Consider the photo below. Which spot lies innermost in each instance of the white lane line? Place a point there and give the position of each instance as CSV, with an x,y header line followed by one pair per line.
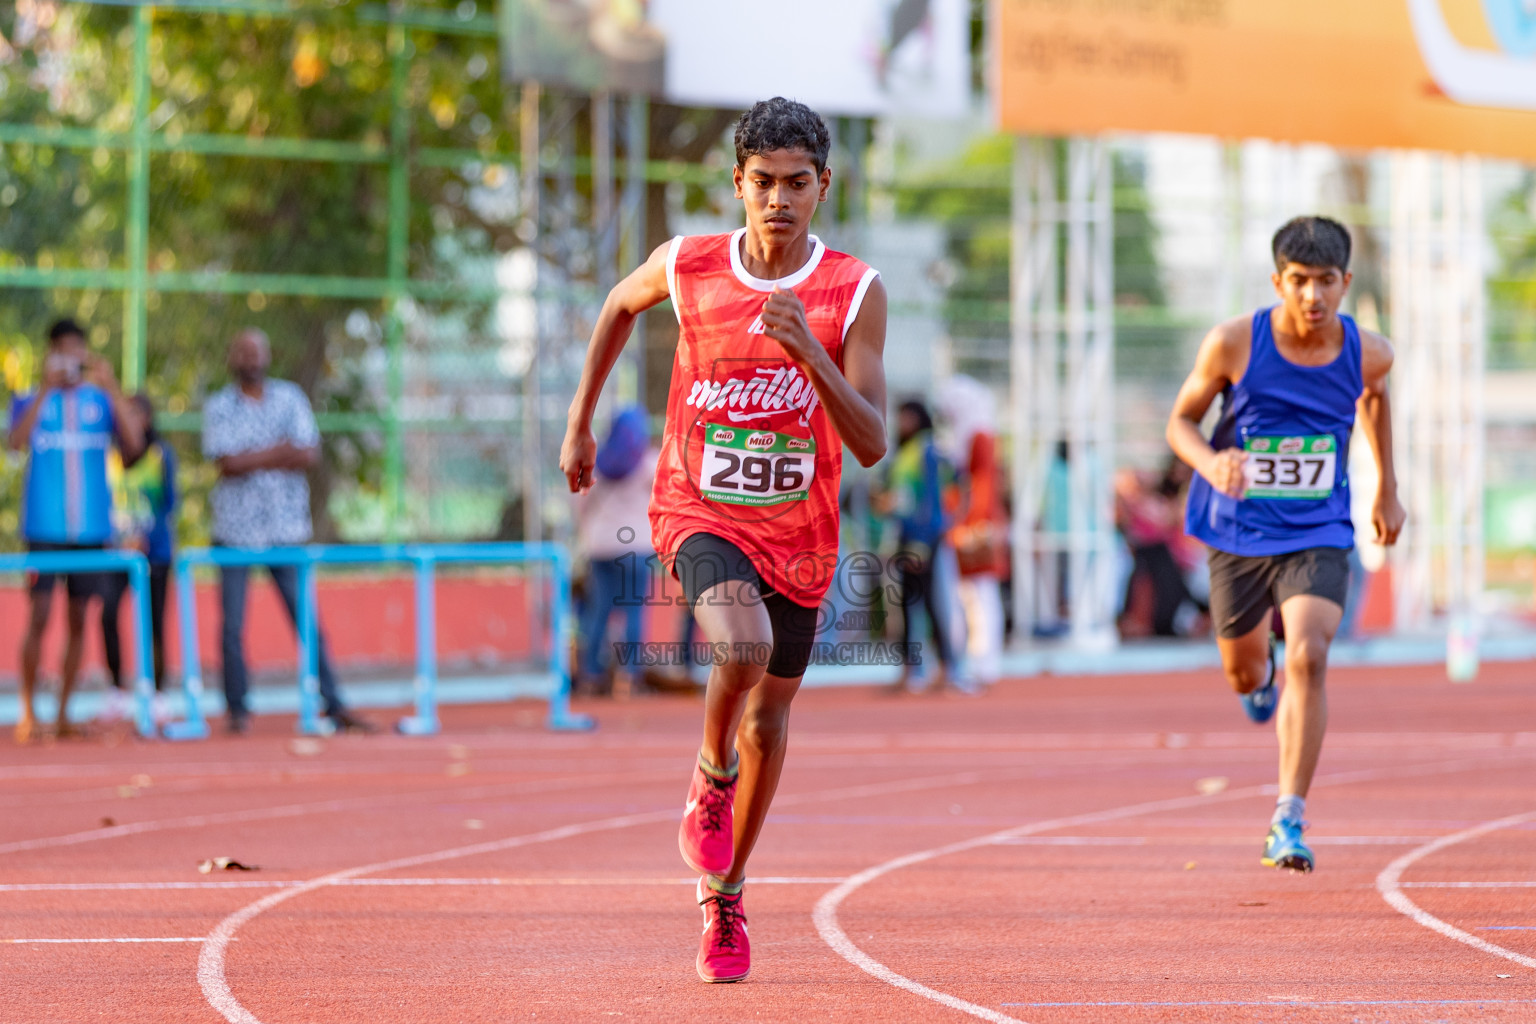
x,y
825,913
1467,885
1389,884
61,942
1079,841
210,963
456,795
387,882
1205,841
445,794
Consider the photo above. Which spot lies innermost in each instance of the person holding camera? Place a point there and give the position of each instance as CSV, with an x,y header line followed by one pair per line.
x,y
66,428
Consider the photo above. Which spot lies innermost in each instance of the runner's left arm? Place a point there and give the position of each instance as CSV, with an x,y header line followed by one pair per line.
x,y
854,396
1374,414
638,292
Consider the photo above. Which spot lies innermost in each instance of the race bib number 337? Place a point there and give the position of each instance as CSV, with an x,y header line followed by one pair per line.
x,y
755,467
1291,467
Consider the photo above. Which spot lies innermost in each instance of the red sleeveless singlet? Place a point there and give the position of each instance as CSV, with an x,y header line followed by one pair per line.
x,y
748,453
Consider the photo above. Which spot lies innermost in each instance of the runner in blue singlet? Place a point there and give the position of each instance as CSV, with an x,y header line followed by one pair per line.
x,y
1271,498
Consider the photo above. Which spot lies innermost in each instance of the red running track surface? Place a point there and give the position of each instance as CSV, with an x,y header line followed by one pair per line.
x,y
1060,850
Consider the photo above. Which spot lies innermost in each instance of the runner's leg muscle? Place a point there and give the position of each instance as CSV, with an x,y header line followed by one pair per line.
x,y
761,741
1302,719
732,613
1245,659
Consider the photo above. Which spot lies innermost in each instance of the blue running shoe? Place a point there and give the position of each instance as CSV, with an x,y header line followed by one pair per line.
x,y
1284,847
1261,703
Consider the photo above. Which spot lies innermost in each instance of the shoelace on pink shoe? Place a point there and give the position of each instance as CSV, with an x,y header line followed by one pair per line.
x,y
731,917
714,802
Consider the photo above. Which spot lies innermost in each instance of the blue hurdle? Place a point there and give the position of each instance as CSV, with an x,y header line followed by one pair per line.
x,y
195,726
424,558
137,568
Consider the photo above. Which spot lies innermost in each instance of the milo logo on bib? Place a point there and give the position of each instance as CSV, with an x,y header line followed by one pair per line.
x,y
1291,467
755,467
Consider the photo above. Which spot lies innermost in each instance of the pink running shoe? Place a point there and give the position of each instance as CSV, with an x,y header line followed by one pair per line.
x,y
724,953
705,837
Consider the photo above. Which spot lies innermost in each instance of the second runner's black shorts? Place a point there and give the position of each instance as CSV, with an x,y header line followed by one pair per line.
x,y
1244,589
704,560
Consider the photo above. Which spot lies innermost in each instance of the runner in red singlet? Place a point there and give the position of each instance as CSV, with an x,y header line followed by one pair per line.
x,y
778,367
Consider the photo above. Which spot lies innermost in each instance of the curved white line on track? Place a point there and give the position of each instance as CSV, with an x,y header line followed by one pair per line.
x,y
419,796
825,914
215,986
1389,884
210,963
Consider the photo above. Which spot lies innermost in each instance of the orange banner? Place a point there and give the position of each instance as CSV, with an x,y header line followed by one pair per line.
x,y
1456,75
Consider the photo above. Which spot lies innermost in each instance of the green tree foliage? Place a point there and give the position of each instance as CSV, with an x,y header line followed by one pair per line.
x,y
1512,291
325,76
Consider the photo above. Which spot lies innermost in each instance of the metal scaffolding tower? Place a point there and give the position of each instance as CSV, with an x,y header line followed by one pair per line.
x,y
611,225
1063,389
1438,311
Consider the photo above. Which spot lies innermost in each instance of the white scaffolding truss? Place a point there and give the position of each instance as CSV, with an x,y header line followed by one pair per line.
x,y
1438,308
1063,388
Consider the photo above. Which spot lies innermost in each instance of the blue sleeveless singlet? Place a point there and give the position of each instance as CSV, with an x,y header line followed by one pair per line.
x,y
1280,406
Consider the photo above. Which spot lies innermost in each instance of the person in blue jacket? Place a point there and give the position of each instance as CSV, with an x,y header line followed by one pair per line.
x,y
66,428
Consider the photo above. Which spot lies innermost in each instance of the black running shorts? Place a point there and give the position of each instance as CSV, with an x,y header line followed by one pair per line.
x,y
1244,589
705,560
81,586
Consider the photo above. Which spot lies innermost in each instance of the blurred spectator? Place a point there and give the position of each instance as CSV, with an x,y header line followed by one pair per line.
x,y
614,533
144,503
1149,511
1055,563
66,429
980,531
262,435
915,494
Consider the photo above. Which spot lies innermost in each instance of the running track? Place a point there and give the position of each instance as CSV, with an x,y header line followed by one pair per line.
x,y
1061,850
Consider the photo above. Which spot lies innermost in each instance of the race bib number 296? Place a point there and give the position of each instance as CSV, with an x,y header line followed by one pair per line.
x,y
1291,467
755,467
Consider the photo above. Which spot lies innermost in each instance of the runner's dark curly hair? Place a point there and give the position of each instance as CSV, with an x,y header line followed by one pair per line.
x,y
782,124
1312,242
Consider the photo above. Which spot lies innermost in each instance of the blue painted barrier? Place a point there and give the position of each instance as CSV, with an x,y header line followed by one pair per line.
x,y
137,568
424,558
